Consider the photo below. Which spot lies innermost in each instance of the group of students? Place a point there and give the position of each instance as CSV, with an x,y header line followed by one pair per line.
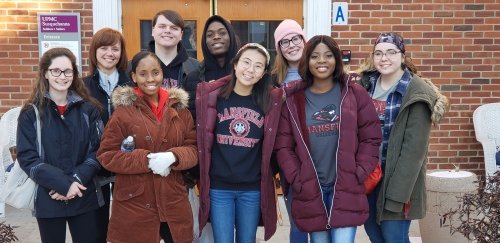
x,y
323,129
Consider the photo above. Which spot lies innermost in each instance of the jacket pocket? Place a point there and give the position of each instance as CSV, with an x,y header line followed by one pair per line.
x,y
129,192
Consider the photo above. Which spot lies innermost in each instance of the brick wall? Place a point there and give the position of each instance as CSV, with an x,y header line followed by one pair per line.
x,y
455,43
19,44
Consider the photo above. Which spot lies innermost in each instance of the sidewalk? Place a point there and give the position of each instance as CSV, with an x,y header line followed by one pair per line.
x,y
282,233
26,228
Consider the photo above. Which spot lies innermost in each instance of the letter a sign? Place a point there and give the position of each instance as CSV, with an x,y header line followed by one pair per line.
x,y
339,13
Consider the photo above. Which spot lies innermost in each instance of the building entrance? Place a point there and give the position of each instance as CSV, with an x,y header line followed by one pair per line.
x,y
253,20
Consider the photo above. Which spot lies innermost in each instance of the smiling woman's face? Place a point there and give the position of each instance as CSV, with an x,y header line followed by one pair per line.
x,y
389,58
249,70
60,83
148,76
322,63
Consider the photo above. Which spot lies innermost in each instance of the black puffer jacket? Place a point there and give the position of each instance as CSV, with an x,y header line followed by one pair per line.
x,y
69,144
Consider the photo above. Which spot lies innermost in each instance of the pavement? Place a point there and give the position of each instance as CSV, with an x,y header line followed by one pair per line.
x,y
26,228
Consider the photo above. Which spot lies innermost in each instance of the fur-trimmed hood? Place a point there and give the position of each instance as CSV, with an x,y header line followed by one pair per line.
x,y
126,96
422,89
441,106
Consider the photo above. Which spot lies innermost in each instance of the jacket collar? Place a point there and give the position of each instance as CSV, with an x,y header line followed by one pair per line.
x,y
401,87
123,78
73,97
125,96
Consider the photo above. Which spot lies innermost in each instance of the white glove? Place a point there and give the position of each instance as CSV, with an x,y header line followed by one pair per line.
x,y
160,163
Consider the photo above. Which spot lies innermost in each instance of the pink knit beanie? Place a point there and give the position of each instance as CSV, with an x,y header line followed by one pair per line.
x,y
287,26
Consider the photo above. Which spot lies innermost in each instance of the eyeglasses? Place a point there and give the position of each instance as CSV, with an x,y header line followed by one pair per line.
x,y
56,72
247,64
284,43
389,54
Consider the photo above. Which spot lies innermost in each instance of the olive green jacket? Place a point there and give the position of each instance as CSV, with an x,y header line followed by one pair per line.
x,y
405,167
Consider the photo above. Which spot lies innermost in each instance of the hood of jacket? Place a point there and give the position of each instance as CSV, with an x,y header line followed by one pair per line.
x,y
126,96
441,106
424,89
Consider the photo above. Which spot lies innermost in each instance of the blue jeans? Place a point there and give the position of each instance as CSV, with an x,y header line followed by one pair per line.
x,y
333,235
230,209
296,236
389,231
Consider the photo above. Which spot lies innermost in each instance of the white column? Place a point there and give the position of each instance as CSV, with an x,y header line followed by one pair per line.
x,y
318,17
107,13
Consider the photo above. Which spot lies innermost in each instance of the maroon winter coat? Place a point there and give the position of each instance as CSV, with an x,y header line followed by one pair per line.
x,y
206,118
358,149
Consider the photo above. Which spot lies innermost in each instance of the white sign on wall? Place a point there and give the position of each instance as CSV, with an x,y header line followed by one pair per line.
x,y
60,30
340,13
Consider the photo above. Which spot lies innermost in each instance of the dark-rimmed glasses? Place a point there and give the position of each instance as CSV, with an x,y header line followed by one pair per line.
x,y
56,72
284,43
389,54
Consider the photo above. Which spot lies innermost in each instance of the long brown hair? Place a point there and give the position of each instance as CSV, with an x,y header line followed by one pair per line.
x,y
37,96
107,37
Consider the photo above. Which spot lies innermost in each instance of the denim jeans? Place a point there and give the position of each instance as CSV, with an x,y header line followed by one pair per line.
x,y
333,235
296,236
230,210
389,231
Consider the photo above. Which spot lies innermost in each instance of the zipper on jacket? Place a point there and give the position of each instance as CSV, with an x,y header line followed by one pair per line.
x,y
57,112
309,154
109,106
337,152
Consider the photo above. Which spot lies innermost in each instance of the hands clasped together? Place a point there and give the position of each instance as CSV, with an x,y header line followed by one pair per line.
x,y
76,189
160,163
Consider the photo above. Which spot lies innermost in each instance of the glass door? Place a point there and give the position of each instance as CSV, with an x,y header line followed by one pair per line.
x,y
253,21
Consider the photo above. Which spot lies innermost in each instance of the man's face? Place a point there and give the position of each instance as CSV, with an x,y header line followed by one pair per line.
x,y
217,38
165,33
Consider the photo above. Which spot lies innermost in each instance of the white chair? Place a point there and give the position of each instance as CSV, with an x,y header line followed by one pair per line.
x,y
8,126
487,126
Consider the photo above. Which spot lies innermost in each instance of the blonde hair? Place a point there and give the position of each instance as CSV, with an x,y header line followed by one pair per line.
x,y
280,68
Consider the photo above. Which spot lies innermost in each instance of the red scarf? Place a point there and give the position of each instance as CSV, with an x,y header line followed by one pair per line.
x,y
61,109
162,100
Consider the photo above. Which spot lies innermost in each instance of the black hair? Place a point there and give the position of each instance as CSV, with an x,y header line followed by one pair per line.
x,y
138,57
261,90
304,71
